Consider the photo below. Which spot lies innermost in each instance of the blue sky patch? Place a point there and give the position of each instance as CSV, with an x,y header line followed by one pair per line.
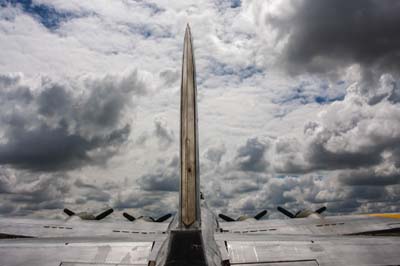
x,y
47,15
149,31
304,93
236,3
155,9
297,94
222,69
225,5
323,100
249,71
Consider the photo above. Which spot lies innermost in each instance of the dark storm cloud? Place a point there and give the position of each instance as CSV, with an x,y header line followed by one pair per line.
x,y
324,35
48,149
54,100
64,126
370,177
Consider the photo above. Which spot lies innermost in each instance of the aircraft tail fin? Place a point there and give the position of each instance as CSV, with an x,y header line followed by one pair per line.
x,y
189,209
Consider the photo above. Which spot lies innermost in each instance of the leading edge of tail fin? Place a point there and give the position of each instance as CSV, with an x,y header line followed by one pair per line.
x,y
189,209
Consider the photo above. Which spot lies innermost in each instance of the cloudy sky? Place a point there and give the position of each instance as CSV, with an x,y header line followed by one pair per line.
x,y
299,105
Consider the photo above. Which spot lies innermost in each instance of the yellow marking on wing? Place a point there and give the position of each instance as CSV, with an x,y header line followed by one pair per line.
x,y
386,215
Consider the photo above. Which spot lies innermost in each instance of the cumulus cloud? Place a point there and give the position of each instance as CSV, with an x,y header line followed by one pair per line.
x,y
28,193
355,133
164,178
58,126
91,192
164,135
347,159
359,132
152,203
250,157
324,36
215,154
267,138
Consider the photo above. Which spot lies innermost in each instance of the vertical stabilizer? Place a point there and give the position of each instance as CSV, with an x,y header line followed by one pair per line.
x,y
189,216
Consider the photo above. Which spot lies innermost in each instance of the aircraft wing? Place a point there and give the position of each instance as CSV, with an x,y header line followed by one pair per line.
x,y
331,225
21,227
336,240
83,251
296,250
79,243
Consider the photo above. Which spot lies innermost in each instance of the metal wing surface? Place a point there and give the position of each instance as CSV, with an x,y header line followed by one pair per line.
x,y
70,251
79,243
331,225
261,249
58,228
336,240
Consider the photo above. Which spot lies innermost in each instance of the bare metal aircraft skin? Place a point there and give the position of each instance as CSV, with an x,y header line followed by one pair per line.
x,y
195,236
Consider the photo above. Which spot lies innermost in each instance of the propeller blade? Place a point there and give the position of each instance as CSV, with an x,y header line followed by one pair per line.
x,y
286,212
321,210
129,217
69,212
260,215
163,218
226,218
104,214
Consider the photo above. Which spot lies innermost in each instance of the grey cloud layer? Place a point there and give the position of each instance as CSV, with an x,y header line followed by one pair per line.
x,y
251,159
58,126
326,35
165,177
49,127
348,159
27,193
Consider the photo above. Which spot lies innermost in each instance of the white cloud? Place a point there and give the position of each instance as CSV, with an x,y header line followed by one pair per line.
x,y
266,137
